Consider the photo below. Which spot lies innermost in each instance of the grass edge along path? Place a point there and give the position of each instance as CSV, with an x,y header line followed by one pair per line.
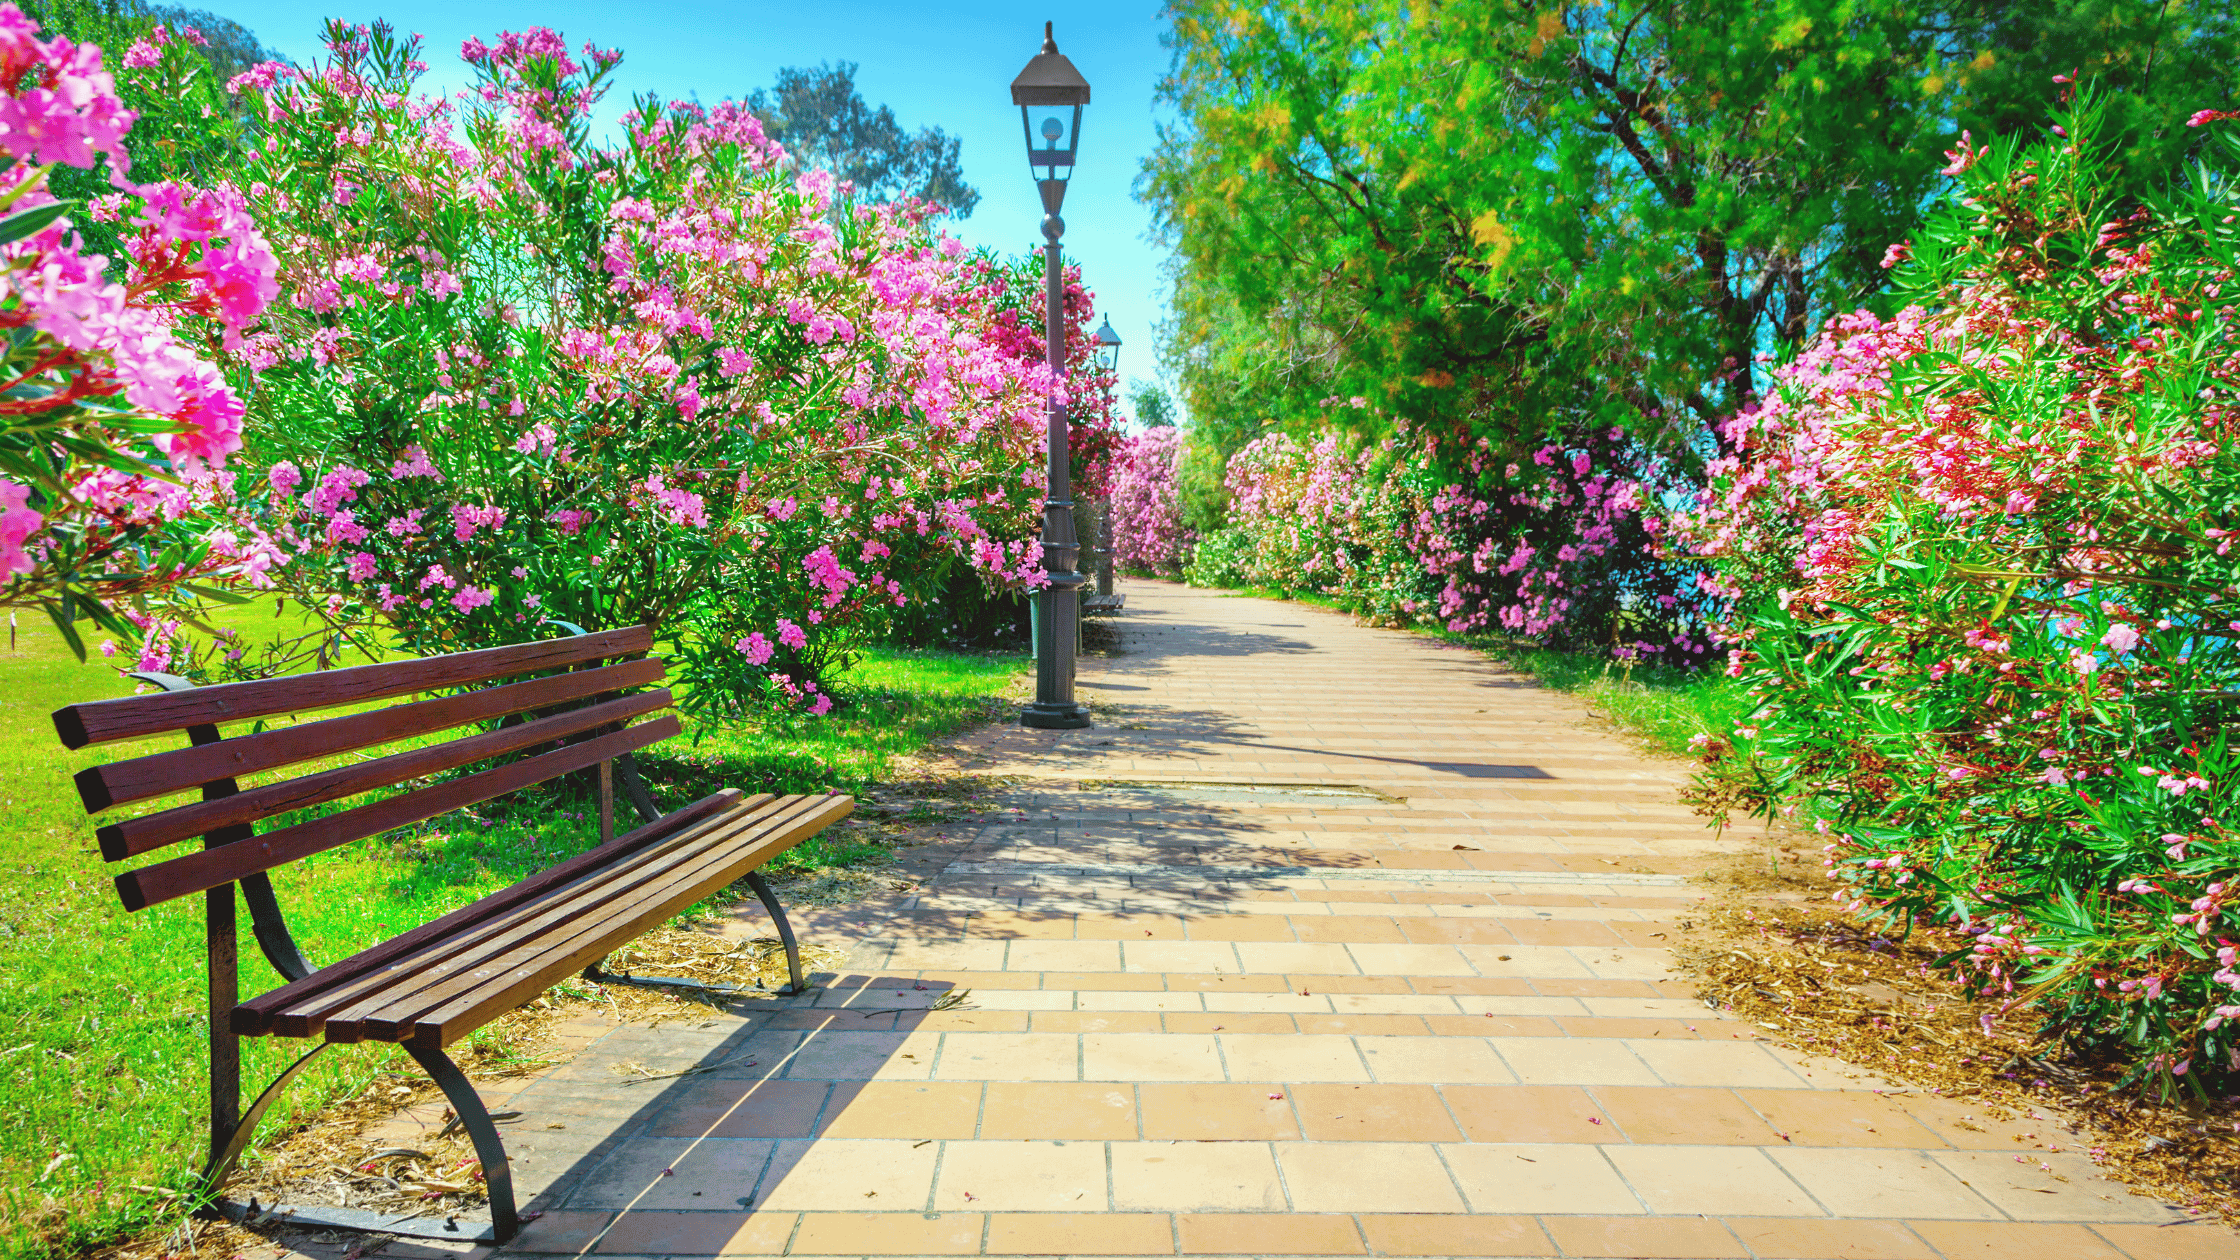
x,y
103,1057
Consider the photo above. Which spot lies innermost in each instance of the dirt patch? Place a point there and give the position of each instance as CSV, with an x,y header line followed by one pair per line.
x,y
1820,981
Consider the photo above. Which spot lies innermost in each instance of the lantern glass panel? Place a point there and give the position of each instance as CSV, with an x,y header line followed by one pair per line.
x,y
1053,139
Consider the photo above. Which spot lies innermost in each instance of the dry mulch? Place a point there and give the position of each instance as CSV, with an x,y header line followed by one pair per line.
x,y
1820,981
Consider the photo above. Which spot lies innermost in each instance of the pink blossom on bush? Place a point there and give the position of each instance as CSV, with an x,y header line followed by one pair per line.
x,y
1148,532
66,109
17,524
757,649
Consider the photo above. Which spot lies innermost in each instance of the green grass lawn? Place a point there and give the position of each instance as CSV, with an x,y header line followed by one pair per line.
x,y
102,1044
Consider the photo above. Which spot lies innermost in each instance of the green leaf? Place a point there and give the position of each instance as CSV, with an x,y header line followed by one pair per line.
x,y
28,222
62,622
217,593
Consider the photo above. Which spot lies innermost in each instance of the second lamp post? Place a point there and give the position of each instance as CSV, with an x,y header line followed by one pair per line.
x,y
1050,94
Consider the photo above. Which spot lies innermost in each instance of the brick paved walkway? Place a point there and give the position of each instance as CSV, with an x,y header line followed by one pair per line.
x,y
1390,979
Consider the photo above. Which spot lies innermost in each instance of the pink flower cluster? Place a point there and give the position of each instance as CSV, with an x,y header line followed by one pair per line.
x,y
1148,531
1980,588
84,333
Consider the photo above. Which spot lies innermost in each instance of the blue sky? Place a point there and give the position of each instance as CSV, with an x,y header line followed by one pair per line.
x,y
944,65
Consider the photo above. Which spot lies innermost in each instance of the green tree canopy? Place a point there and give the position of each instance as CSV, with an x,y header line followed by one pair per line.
x,y
1153,405
819,116
1508,215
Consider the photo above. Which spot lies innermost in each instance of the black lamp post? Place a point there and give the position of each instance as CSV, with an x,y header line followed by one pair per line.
x,y
1050,94
1108,361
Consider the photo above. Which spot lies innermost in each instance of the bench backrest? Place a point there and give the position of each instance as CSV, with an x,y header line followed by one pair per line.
x,y
584,683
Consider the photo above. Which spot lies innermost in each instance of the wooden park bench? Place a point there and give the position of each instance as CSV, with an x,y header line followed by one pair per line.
x,y
569,709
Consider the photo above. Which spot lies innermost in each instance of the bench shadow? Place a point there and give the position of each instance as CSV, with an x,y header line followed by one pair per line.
x,y
705,1130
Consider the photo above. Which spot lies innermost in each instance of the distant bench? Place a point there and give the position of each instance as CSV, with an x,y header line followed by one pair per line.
x,y
572,710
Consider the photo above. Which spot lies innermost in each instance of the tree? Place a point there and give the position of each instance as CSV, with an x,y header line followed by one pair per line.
x,y
232,47
191,130
1154,406
822,120
1494,216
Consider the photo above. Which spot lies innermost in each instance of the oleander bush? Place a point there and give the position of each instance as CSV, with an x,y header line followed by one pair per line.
x,y
1554,545
481,375
116,423
1979,557
1148,530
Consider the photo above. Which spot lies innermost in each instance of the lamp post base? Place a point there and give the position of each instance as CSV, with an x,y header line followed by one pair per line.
x,y
1055,717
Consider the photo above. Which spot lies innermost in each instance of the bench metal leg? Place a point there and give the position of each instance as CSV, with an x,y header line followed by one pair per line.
x,y
489,1148
600,975
223,1158
271,928
497,1174
762,889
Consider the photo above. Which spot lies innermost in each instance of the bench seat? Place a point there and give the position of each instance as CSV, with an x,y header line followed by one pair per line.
x,y
441,981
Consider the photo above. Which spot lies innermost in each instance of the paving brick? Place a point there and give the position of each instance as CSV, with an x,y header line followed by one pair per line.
x,y
1252,1233
1080,1234
889,1234
1775,1239
1224,1112
1372,1113
1018,1110
1428,1234
902,1109
2194,1240
1666,1238
698,1234
1032,1176
2009,1240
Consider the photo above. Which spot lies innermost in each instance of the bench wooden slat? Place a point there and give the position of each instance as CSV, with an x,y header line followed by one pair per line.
x,y
130,717
151,885
124,838
181,769
428,980
477,939
256,1016
624,921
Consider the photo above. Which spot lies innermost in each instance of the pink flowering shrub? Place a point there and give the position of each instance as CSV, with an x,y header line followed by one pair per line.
x,y
1553,545
1980,559
1148,532
515,378
115,429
